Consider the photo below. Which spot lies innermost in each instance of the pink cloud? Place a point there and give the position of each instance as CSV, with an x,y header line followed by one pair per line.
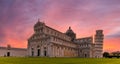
x,y
18,18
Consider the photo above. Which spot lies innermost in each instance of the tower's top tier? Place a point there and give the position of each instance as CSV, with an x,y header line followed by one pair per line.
x,y
99,32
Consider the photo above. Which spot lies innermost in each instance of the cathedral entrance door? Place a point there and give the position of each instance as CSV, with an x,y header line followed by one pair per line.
x,y
45,53
85,55
38,52
32,53
8,53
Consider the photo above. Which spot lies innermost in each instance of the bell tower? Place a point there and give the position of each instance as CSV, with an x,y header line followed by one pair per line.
x,y
98,48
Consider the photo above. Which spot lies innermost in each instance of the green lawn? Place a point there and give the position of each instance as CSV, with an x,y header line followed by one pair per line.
x,y
23,60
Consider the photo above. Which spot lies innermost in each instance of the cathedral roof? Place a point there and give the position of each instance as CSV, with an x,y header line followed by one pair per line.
x,y
70,31
39,23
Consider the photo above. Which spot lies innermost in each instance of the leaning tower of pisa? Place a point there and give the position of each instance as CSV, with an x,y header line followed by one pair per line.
x,y
98,47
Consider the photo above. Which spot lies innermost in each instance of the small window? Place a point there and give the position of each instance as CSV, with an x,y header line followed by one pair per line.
x,y
32,48
38,46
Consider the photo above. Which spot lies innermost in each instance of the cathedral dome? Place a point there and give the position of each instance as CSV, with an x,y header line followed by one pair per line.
x,y
70,33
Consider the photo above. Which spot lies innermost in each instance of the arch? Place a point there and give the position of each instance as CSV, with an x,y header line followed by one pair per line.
x,y
38,46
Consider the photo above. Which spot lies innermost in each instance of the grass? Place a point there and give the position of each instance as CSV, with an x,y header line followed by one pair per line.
x,y
31,60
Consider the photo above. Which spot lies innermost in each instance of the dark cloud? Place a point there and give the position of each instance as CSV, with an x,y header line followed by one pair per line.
x,y
115,35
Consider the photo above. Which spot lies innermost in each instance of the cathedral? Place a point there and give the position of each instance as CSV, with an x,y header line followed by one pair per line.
x,y
48,42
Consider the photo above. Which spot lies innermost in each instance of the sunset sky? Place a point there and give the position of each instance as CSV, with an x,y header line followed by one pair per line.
x,y
17,18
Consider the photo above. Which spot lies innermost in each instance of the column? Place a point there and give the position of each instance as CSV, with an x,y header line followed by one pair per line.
x,y
42,50
49,50
55,51
60,51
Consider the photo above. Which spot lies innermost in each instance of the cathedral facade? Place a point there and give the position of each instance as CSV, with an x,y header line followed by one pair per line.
x,y
48,42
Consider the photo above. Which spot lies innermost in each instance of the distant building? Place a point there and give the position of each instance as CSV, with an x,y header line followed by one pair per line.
x,y
10,51
48,42
116,53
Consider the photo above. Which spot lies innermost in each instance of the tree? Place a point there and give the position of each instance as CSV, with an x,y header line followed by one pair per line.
x,y
105,54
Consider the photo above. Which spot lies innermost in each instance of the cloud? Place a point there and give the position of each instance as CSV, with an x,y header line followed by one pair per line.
x,y
115,33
